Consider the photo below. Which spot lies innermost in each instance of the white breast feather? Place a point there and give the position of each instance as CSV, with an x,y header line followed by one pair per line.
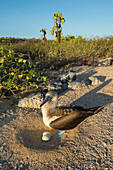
x,y
48,120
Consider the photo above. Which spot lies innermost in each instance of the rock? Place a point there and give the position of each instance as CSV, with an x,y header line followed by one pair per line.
x,y
79,84
67,77
46,136
76,84
73,70
105,62
87,82
104,144
95,80
57,86
32,101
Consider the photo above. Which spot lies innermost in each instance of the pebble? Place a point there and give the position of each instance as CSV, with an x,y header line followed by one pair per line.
x,y
104,144
57,86
69,76
46,136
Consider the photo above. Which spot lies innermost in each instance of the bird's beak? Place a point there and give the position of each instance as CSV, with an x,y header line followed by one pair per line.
x,y
45,100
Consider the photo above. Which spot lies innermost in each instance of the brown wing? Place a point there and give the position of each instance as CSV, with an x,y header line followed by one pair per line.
x,y
68,121
70,118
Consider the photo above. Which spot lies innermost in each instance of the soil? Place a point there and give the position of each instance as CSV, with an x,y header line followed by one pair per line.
x,y
88,146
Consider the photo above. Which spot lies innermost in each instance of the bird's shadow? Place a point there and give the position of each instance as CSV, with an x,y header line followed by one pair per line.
x,y
31,139
90,72
94,98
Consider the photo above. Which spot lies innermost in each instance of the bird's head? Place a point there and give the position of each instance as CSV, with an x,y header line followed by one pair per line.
x,y
50,100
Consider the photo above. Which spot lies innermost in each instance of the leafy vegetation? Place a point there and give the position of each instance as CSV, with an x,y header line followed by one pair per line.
x,y
44,34
58,19
25,63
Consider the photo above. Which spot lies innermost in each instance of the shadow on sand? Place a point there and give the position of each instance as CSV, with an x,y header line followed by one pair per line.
x,y
94,98
32,139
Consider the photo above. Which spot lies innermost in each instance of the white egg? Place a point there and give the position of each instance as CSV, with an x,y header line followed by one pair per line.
x,y
46,136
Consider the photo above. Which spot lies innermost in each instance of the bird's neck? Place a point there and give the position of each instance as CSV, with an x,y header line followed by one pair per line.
x,y
48,107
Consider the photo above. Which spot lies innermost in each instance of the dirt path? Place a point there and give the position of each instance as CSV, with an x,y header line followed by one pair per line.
x,y
88,146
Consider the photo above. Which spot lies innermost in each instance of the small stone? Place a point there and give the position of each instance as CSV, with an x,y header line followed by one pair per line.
x,y
32,101
57,86
87,82
11,112
105,62
4,144
67,77
76,84
95,80
3,115
104,144
46,136
73,70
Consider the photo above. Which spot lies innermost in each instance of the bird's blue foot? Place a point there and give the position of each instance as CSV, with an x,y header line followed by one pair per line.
x,y
59,134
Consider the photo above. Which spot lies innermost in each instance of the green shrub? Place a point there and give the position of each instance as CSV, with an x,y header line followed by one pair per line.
x,y
24,63
17,72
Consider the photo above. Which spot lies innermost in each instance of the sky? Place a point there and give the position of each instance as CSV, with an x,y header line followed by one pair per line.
x,y
25,18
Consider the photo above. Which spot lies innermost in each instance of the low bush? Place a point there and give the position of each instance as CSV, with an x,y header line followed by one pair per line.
x,y
24,63
18,72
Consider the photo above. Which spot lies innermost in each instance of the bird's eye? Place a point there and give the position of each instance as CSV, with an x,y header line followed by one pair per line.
x,y
49,98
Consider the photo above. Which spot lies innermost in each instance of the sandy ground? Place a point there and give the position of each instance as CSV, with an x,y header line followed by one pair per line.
x,y
88,146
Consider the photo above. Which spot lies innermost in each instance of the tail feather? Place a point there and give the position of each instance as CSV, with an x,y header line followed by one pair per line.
x,y
99,109
94,110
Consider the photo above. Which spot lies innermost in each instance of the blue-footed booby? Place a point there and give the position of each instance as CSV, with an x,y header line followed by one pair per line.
x,y
64,118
